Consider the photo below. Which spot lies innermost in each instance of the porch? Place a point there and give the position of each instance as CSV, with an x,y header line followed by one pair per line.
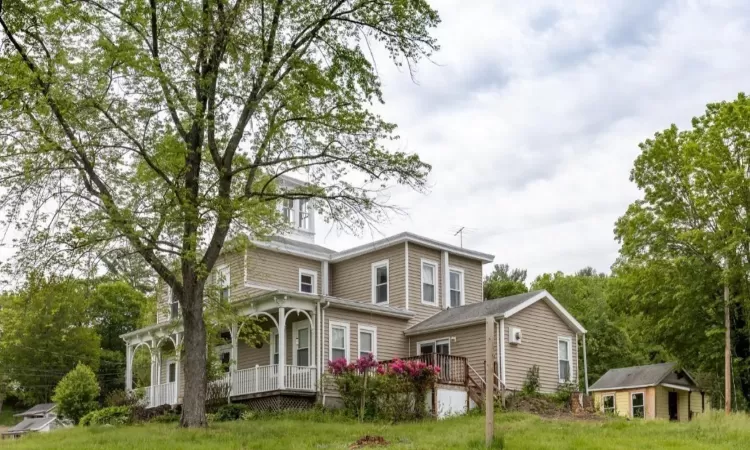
x,y
244,383
251,370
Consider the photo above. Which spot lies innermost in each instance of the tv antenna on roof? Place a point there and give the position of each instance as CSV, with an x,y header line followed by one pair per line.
x,y
461,232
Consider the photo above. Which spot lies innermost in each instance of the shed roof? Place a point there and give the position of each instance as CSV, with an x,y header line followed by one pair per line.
x,y
31,424
642,376
37,410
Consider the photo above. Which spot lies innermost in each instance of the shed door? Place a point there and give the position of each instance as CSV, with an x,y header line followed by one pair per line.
x,y
673,406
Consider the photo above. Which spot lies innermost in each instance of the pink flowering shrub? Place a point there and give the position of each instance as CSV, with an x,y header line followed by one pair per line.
x,y
392,391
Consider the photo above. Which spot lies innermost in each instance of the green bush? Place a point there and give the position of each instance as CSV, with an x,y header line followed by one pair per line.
x,y
120,397
76,394
531,384
232,411
113,415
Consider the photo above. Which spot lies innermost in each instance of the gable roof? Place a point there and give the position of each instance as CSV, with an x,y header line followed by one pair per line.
x,y
643,376
314,251
37,410
498,308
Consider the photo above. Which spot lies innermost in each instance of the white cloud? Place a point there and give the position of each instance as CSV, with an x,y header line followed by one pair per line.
x,y
533,113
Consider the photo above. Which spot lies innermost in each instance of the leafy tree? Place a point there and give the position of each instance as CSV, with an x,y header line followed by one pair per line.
x,y
115,308
585,295
44,333
165,126
690,236
503,282
77,393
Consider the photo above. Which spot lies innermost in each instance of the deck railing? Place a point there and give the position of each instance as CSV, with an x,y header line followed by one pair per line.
x,y
453,369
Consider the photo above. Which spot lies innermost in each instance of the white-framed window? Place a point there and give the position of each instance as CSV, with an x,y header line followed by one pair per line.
x,y
338,340
608,403
564,359
301,333
174,305
380,282
367,340
274,347
287,209
429,282
308,281
171,371
303,214
224,353
441,346
456,280
222,280
637,405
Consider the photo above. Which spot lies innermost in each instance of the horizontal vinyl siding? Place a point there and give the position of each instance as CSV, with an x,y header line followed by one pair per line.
x,y
278,270
391,341
540,327
472,277
469,343
662,403
423,311
352,279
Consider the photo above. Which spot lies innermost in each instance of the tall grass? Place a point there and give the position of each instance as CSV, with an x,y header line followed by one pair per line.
x,y
319,430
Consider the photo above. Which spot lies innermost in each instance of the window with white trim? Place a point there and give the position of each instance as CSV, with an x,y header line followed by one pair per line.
x,y
367,341
303,214
287,209
308,281
456,277
564,357
338,340
274,345
608,403
638,407
174,305
301,335
380,282
222,282
429,282
171,371
225,357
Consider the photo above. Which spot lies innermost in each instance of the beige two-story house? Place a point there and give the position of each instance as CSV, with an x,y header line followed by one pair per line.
x,y
405,296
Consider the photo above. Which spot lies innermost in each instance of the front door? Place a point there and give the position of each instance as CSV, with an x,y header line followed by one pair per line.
x,y
673,406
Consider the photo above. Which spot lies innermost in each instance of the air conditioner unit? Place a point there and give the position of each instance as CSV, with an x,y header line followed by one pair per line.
x,y
514,335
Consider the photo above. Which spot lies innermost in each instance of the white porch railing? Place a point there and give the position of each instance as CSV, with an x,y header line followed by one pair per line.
x,y
162,394
246,381
300,378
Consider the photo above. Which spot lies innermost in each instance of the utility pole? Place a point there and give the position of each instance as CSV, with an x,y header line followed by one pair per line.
x,y
489,374
727,353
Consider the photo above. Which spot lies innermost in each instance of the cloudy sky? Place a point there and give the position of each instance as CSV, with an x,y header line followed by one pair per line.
x,y
532,111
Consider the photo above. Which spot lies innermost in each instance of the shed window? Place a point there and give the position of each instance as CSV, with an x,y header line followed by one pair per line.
x,y
608,403
638,409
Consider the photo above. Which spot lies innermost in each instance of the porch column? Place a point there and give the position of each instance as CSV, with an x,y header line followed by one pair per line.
x,y
154,376
234,355
282,347
128,367
177,357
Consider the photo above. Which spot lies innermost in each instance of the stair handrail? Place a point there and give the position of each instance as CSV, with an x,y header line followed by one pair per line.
x,y
477,374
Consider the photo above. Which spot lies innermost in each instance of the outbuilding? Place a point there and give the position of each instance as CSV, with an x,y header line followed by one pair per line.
x,y
656,391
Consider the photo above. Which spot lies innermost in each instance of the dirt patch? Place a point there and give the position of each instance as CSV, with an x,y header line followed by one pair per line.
x,y
549,408
369,441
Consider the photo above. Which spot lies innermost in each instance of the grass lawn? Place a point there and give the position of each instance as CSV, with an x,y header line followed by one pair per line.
x,y
6,417
519,431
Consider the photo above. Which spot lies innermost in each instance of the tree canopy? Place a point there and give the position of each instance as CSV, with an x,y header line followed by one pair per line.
x,y
503,281
165,126
689,236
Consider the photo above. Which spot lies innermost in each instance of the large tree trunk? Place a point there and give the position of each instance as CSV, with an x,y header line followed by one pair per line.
x,y
194,345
